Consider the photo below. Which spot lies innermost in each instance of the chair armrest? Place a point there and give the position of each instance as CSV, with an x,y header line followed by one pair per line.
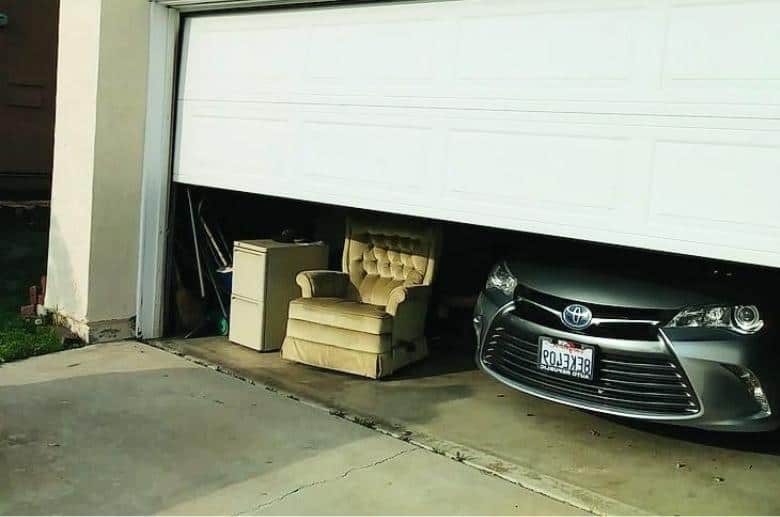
x,y
404,294
322,284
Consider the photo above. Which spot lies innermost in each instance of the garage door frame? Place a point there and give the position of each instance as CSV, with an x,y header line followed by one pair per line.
x,y
164,22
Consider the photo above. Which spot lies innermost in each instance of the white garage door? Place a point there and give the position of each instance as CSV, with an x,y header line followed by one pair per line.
x,y
646,123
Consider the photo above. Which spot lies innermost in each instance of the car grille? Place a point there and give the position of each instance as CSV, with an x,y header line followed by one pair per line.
x,y
631,383
626,323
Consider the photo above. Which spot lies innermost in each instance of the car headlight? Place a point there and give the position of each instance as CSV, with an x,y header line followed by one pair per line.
x,y
501,278
744,319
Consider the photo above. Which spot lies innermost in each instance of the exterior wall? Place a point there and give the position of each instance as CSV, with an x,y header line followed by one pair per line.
x,y
74,150
98,151
121,100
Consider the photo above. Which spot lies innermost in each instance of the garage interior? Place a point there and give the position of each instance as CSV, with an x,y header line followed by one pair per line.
x,y
444,402
237,216
248,188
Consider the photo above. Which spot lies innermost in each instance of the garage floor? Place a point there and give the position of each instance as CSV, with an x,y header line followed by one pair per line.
x,y
597,463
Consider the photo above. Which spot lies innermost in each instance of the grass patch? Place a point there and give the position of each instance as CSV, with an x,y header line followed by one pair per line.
x,y
20,338
22,259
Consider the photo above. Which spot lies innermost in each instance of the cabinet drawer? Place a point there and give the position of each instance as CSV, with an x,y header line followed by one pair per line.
x,y
249,274
246,323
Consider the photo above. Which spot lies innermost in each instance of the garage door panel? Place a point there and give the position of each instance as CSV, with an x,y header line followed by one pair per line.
x,y
610,121
394,50
569,173
710,170
222,72
567,170
250,141
722,42
602,57
560,47
346,155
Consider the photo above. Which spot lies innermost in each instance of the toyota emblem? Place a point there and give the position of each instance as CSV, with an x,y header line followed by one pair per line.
x,y
577,317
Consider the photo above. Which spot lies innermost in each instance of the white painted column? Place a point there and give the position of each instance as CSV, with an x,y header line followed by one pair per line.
x,y
98,152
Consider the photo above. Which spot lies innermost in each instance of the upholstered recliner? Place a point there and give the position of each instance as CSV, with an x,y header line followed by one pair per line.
x,y
369,318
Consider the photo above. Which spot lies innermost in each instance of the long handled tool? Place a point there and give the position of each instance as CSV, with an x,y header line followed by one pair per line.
x,y
225,261
221,321
222,262
227,248
197,248
218,295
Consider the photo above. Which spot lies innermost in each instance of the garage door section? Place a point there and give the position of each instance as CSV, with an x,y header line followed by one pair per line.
x,y
650,124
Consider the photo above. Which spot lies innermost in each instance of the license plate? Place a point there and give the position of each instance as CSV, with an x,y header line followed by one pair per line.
x,y
566,358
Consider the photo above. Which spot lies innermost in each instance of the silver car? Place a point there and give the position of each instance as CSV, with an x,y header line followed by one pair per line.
x,y
654,338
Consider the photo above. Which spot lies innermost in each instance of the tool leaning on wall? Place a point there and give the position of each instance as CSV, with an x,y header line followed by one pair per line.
x,y
213,261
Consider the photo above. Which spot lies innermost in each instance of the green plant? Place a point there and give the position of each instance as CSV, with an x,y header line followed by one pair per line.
x,y
20,338
23,260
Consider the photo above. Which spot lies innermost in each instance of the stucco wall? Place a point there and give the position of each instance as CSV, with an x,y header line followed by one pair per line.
x,y
74,148
98,149
121,100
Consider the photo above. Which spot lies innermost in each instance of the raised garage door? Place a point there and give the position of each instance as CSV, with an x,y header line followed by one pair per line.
x,y
644,123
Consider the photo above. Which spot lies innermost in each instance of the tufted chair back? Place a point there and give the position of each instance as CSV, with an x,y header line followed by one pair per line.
x,y
380,256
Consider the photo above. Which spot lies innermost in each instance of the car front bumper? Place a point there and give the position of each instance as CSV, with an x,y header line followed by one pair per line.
x,y
711,359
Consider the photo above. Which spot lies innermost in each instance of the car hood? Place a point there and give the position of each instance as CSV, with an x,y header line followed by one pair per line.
x,y
615,287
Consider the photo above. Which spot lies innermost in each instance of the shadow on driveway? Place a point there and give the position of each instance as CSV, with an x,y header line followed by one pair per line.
x,y
143,441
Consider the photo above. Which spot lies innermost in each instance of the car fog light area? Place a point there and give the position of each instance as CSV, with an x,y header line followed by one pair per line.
x,y
744,319
753,386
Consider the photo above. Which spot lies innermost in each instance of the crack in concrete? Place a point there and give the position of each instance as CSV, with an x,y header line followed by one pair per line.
x,y
346,473
516,474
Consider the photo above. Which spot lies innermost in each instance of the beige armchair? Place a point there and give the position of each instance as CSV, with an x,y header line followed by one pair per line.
x,y
369,318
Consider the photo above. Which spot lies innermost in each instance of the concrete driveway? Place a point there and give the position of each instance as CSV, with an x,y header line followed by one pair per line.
x,y
605,465
128,429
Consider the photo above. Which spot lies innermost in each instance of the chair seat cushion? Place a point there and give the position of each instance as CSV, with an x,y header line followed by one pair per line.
x,y
341,313
339,337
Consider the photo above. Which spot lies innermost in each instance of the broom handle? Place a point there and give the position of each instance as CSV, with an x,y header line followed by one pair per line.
x,y
197,248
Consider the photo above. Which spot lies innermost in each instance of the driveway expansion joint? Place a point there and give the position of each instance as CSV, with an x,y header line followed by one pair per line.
x,y
345,474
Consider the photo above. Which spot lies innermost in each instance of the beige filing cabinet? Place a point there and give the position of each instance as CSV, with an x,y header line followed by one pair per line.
x,y
263,284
